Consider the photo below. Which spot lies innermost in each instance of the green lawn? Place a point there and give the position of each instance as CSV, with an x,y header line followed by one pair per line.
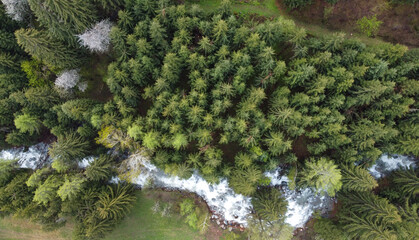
x,y
21,229
269,8
142,224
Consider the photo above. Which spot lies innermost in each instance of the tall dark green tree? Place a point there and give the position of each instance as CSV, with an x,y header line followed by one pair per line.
x,y
64,19
44,48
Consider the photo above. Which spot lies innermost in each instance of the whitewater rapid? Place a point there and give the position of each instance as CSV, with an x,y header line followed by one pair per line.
x,y
223,200
220,197
32,157
388,163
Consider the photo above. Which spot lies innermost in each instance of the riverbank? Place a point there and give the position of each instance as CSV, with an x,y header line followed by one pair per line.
x,y
229,208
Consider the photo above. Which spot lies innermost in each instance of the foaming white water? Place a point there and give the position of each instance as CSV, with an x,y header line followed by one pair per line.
x,y
34,157
85,162
388,163
302,203
223,200
219,197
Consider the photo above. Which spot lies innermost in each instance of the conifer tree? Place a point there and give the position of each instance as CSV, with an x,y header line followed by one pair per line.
x,y
151,140
366,228
8,61
244,181
408,180
100,168
357,179
71,188
7,41
323,175
64,18
44,48
47,191
69,148
179,141
6,168
276,143
28,123
115,202
269,204
370,206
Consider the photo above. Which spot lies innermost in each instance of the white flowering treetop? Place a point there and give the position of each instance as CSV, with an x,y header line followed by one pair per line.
x,y
16,9
82,86
68,79
97,38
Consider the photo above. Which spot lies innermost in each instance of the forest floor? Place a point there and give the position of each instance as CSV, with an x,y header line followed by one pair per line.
x,y
398,27
400,21
94,72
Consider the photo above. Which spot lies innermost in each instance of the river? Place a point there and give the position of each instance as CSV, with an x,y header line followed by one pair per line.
x,y
222,200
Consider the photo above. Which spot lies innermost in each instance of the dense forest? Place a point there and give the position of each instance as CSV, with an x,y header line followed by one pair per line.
x,y
227,95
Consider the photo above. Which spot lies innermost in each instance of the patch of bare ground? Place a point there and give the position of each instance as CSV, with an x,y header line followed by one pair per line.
x,y
400,21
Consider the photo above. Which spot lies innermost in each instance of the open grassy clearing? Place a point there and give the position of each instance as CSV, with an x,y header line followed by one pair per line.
x,y
270,8
141,223
12,228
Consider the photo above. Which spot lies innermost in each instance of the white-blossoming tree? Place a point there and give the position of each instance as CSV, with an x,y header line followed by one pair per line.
x,y
16,9
68,79
97,39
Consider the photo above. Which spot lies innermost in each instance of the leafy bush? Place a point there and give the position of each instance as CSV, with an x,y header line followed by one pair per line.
x,y
194,216
37,74
369,26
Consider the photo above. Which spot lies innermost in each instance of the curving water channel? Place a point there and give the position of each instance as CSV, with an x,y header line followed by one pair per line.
x,y
220,197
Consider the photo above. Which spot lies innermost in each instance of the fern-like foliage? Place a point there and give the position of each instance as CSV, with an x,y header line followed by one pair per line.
x,y
100,168
407,229
269,204
355,178
71,188
97,227
365,229
116,202
368,205
410,212
408,181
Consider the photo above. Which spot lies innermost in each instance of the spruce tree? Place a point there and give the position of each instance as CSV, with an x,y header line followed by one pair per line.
x,y
64,18
71,188
370,206
323,175
408,181
269,204
357,179
69,148
115,202
28,123
47,191
100,168
365,228
44,48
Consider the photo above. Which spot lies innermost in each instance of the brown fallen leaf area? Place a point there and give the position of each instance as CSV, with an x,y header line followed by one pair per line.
x,y
400,21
